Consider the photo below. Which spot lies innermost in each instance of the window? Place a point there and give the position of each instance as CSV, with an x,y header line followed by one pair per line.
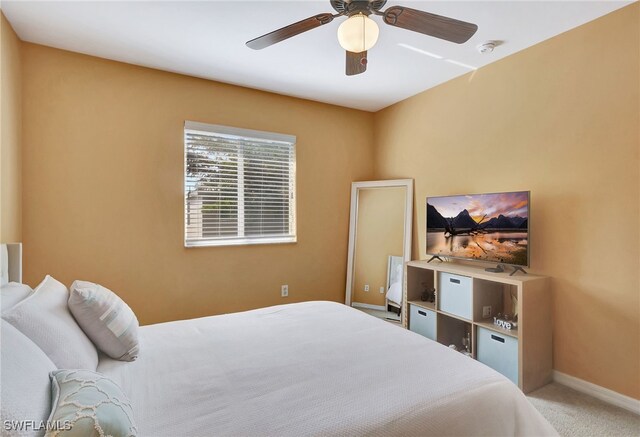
x,y
239,186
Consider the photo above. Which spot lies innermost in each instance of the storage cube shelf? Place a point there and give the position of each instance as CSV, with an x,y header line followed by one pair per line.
x,y
423,321
454,295
463,295
499,352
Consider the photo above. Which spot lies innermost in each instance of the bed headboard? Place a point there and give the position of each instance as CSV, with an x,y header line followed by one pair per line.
x,y
10,262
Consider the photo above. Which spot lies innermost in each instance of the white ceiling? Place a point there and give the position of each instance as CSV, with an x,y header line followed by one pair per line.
x,y
206,39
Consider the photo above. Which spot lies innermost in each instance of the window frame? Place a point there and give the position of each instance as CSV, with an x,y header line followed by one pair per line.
x,y
207,128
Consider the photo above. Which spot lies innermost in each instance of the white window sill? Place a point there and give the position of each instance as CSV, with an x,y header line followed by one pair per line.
x,y
240,242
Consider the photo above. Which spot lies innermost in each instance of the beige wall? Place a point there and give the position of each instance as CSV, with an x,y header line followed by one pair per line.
x,y
560,119
10,134
103,177
380,234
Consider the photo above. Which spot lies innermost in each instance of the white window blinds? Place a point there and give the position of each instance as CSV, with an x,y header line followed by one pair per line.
x,y
239,186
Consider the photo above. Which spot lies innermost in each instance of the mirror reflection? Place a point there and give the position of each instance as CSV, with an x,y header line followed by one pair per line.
x,y
380,246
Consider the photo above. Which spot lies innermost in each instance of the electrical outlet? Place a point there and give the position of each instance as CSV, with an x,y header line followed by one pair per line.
x,y
381,290
284,291
366,287
486,312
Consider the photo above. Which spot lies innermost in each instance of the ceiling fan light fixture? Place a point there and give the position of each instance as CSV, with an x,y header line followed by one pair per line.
x,y
358,33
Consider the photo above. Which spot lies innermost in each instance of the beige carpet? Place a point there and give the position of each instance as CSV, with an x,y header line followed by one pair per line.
x,y
575,414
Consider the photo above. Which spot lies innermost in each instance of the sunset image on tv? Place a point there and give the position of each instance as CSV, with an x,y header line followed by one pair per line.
x,y
487,227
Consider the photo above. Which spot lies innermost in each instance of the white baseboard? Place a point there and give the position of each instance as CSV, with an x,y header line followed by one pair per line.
x,y
368,306
598,392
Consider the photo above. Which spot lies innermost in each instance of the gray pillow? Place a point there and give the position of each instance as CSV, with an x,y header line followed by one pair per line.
x,y
25,387
45,318
87,404
106,319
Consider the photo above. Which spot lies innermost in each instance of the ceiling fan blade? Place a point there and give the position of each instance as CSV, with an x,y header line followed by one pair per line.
x,y
356,63
430,24
288,31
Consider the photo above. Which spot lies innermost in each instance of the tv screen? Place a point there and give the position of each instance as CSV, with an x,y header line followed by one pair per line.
x,y
486,227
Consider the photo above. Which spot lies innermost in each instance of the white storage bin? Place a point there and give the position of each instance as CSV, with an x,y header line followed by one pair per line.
x,y
454,294
422,321
498,351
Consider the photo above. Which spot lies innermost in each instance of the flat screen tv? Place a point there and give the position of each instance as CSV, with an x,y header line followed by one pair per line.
x,y
485,227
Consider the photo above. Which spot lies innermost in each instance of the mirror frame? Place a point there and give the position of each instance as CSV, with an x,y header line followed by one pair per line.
x,y
353,220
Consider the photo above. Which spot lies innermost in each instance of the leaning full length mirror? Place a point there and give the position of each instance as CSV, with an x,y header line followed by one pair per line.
x,y
379,245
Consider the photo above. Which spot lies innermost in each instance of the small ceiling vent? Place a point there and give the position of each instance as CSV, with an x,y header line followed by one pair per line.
x,y
487,47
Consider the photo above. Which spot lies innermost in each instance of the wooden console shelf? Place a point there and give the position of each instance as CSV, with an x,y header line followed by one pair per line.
x,y
523,354
492,327
428,305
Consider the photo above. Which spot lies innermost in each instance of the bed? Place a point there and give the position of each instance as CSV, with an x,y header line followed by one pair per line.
x,y
314,368
395,271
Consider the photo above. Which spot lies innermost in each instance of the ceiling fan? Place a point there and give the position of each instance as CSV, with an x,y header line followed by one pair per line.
x,y
359,33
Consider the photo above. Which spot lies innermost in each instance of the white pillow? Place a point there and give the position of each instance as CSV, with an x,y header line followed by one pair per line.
x,y
106,319
395,293
11,294
25,384
45,318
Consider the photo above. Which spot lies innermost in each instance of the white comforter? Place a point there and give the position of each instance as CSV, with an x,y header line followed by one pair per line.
x,y
315,368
